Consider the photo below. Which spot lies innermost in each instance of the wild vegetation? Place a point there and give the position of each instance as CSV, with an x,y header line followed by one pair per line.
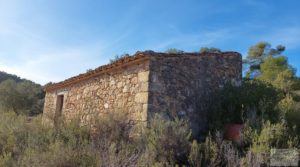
x,y
108,142
267,104
20,96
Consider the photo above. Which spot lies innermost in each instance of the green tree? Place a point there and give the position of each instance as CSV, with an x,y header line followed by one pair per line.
x,y
257,55
269,65
9,96
278,72
22,98
33,97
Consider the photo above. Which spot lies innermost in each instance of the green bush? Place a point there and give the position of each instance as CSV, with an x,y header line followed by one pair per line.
x,y
259,142
291,113
272,136
254,100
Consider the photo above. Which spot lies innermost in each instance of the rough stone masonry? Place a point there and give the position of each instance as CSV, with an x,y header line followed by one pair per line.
x,y
146,83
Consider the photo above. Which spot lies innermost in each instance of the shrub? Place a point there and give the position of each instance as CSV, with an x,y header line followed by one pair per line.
x,y
210,50
255,101
167,141
195,156
214,152
174,51
291,113
117,57
273,136
260,142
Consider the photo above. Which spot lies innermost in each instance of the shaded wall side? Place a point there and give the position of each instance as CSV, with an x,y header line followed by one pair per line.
x,y
122,90
182,86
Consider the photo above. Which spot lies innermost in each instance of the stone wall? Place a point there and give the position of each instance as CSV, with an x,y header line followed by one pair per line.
x,y
182,85
124,89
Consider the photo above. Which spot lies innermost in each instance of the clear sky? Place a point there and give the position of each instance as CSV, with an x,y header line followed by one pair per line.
x,y
51,40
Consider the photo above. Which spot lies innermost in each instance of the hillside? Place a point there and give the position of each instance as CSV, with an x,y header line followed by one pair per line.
x,y
5,76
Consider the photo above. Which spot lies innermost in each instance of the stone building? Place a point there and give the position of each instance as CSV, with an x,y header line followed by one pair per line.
x,y
146,83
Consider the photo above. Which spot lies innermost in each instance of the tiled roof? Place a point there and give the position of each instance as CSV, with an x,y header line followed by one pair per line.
x,y
127,60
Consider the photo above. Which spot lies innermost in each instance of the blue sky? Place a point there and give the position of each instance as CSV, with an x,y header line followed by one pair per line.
x,y
51,40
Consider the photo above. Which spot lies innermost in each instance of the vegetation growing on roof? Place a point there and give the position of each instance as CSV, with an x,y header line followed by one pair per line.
x,y
119,57
174,50
210,50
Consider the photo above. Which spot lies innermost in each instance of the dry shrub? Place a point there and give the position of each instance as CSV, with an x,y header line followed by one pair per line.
x,y
166,142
